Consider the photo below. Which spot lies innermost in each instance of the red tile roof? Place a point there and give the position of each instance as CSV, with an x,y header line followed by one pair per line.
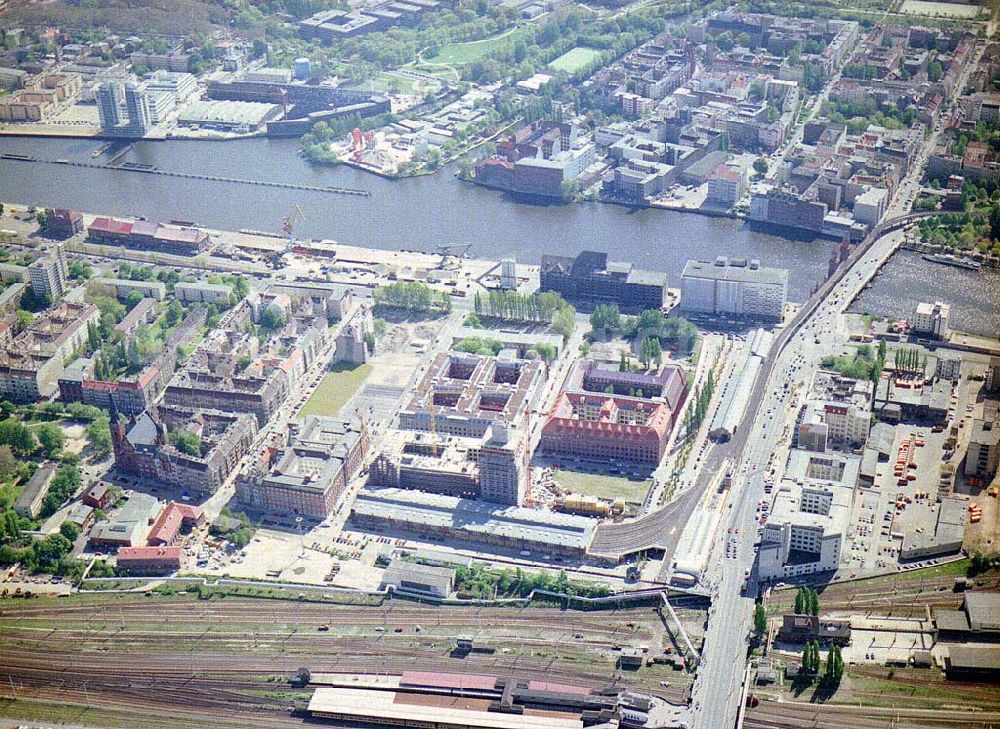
x,y
448,680
168,556
169,522
111,225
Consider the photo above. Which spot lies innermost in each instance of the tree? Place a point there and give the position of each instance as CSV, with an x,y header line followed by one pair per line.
x,y
564,322
64,484
69,530
760,166
272,318
807,656
24,319
725,40
546,351
834,666
934,71
47,552
655,351
174,313
18,437
760,619
605,318
240,286
186,442
51,437
99,435
79,269
133,298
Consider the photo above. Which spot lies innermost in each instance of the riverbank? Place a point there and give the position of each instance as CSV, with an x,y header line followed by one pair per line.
x,y
40,130
316,261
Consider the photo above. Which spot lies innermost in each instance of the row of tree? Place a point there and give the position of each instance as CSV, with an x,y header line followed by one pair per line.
x,y
414,296
697,406
478,582
910,361
514,306
607,320
806,601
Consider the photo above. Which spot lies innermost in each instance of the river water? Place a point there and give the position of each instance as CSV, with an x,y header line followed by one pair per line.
x,y
419,213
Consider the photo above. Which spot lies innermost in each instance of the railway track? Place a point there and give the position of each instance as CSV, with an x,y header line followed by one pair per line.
x,y
786,715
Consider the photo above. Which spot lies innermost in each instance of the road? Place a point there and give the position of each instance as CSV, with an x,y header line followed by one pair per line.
x,y
796,352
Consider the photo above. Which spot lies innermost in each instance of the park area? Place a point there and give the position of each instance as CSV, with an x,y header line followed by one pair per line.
x,y
575,59
940,10
337,387
604,486
461,53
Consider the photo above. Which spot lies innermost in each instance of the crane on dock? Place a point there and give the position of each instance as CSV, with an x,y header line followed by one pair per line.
x,y
447,249
288,223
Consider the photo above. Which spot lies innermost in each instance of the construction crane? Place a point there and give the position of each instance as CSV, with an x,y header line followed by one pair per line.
x,y
447,250
288,223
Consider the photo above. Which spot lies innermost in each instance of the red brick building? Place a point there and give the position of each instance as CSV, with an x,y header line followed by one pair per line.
x,y
99,496
608,427
171,520
65,223
144,560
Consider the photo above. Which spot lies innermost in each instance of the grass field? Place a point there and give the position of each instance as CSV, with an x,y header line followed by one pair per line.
x,y
946,10
574,59
390,82
603,486
462,53
336,389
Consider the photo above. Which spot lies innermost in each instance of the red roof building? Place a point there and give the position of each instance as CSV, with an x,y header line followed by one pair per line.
x,y
110,230
99,496
149,559
608,426
170,521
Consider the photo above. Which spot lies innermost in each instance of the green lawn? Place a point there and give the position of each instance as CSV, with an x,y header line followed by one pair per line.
x,y
603,486
462,53
337,387
947,10
574,59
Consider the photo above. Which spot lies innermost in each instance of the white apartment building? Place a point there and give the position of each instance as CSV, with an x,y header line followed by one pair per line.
x,y
734,287
932,318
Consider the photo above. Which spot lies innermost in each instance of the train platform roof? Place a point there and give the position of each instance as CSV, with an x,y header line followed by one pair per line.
x,y
437,679
392,708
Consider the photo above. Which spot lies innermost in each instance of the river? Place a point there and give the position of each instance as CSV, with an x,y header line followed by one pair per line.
x,y
419,213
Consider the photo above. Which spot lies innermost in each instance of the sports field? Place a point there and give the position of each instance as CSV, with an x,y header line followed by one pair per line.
x,y
574,59
945,10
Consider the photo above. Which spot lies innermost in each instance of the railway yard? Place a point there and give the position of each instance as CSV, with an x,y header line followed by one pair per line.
x,y
171,660
175,659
